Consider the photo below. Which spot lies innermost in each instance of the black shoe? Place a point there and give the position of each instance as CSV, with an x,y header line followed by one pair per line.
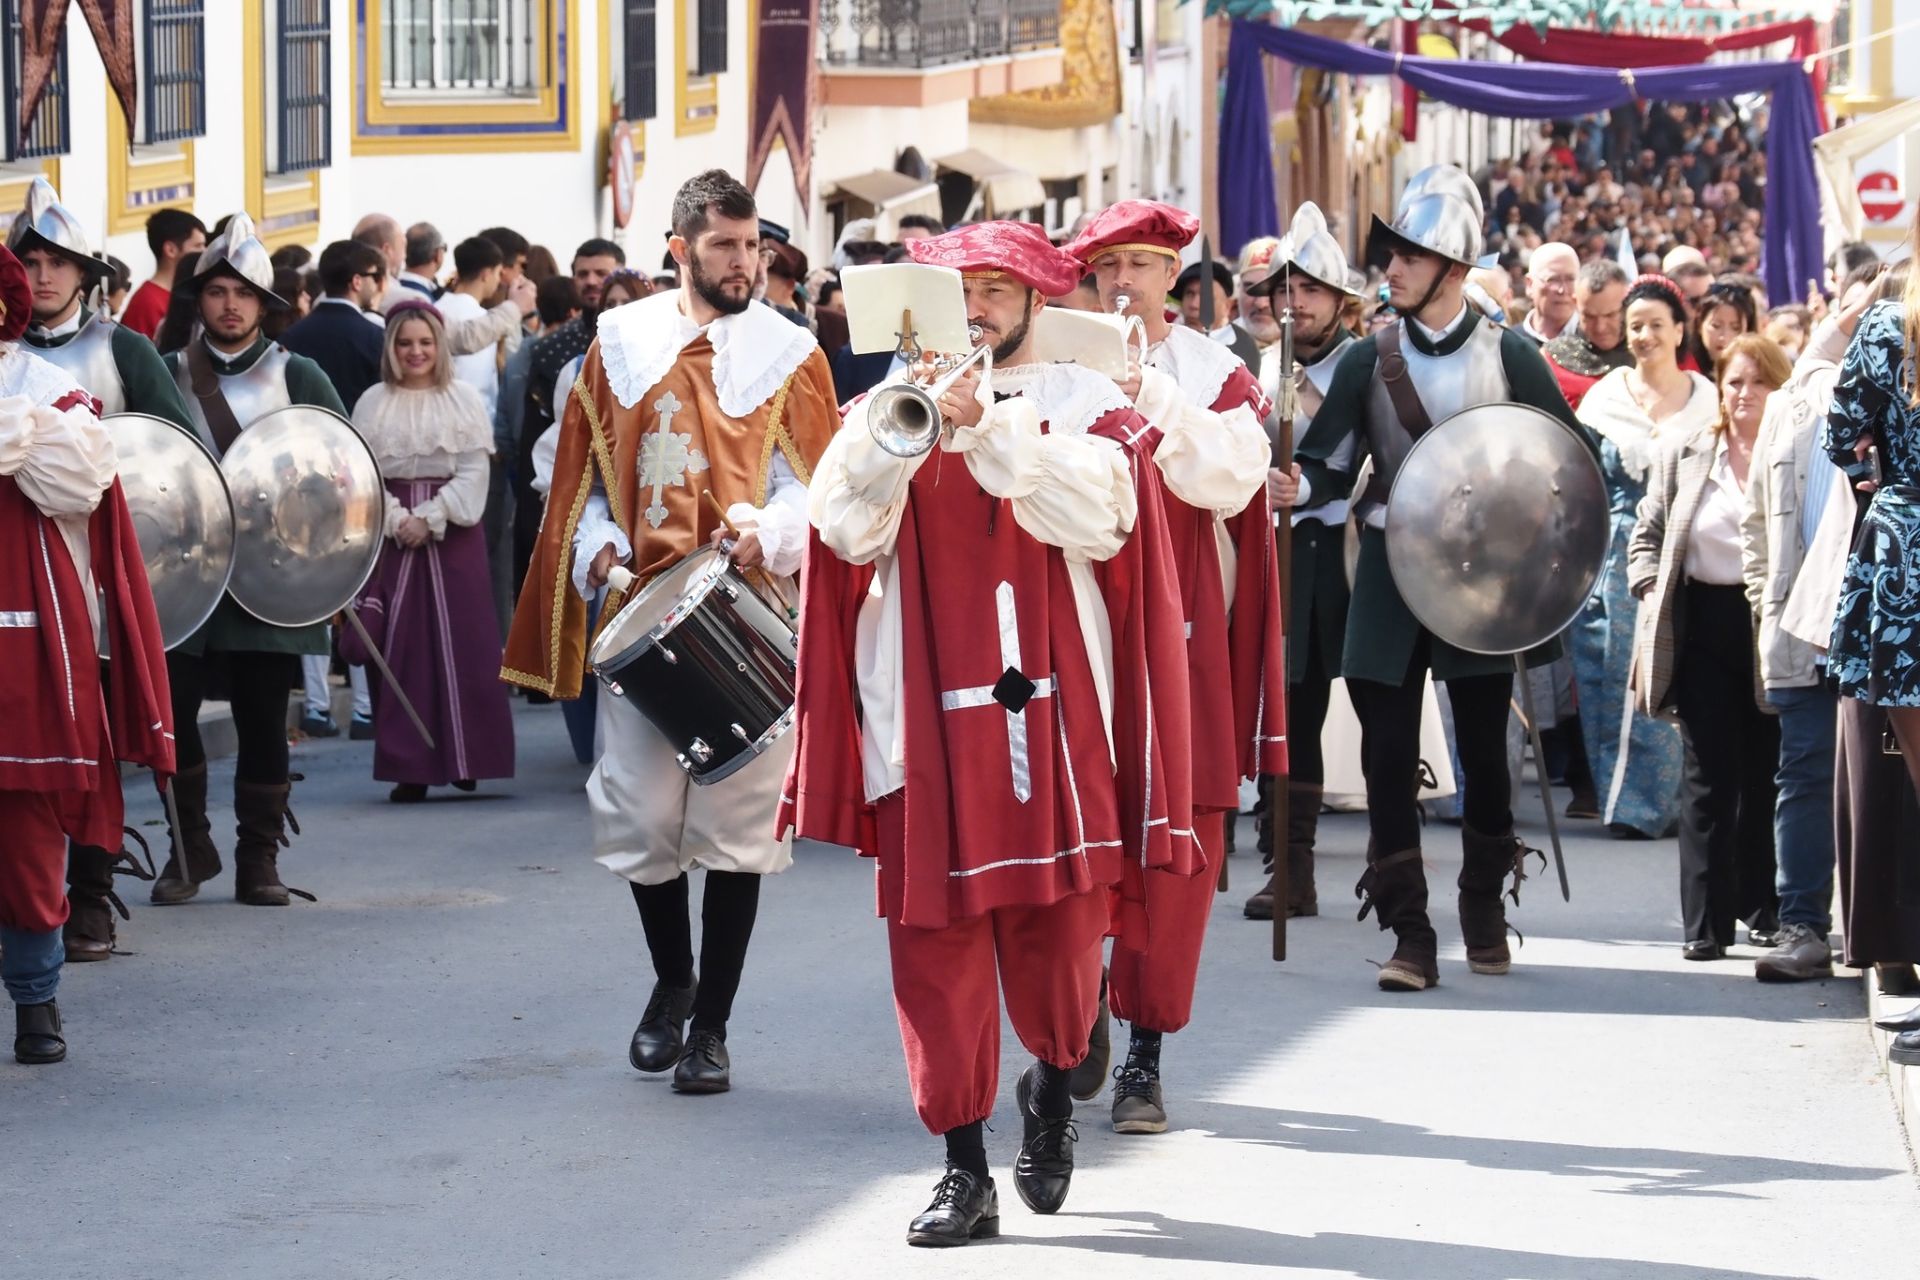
x,y
36,1034
1903,1052
1767,937
1138,1105
1702,949
407,793
658,1040
964,1208
1086,1080
1044,1168
1908,1021
704,1067
318,725
360,729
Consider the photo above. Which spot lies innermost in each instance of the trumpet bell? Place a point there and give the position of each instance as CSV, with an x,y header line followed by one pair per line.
x,y
904,419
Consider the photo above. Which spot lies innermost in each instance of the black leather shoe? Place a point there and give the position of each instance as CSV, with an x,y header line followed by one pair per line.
x,y
1086,1080
1701,949
1904,1051
964,1208
1908,1021
658,1040
704,1067
1044,1168
36,1034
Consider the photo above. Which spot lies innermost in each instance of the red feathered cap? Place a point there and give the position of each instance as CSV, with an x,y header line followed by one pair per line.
x,y
16,297
1017,249
1145,225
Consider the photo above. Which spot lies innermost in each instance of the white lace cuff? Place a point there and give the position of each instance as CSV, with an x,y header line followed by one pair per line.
x,y
595,530
782,523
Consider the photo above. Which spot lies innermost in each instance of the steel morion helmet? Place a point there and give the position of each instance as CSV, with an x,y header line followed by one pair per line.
x,y
47,224
1446,179
1436,223
237,252
1310,249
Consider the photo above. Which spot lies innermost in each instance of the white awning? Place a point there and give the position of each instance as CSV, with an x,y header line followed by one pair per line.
x,y
888,192
1004,189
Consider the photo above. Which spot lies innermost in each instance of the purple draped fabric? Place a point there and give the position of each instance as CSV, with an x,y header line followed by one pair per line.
x,y
1529,91
429,609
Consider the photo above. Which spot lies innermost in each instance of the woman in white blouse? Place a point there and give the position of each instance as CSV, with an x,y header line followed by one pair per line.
x,y
1635,759
1694,657
428,604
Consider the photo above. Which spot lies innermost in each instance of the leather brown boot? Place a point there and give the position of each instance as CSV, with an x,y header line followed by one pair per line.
x,y
1487,863
195,837
88,933
261,817
1394,887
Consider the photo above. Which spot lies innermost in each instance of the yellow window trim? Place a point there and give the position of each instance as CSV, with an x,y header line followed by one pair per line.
x,y
13,190
372,110
133,180
696,99
294,197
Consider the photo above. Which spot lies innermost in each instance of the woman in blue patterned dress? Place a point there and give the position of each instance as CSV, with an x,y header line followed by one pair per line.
x,y
1875,654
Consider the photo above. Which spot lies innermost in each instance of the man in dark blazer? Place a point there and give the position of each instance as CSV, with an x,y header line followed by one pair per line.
x,y
340,334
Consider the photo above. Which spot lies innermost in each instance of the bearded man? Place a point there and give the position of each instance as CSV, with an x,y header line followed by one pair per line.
x,y
685,391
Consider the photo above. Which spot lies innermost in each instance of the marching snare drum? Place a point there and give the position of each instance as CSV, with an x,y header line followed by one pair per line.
x,y
707,661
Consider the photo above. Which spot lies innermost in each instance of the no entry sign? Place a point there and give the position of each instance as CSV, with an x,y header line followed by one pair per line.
x,y
1880,196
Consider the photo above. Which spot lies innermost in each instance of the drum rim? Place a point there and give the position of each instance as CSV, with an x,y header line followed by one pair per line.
x,y
700,584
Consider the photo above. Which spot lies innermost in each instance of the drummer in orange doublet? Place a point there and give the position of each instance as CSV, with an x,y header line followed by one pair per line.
x,y
992,703
1212,451
690,390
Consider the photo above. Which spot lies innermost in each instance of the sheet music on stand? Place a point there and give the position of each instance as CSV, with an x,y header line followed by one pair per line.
x,y
883,298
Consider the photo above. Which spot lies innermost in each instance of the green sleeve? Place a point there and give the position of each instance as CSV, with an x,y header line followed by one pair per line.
x,y
1530,381
148,379
308,383
1342,413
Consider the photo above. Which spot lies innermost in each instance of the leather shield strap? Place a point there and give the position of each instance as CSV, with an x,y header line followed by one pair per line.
x,y
213,401
1401,393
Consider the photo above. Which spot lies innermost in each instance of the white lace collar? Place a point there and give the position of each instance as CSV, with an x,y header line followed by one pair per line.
x,y
753,352
1196,362
1068,398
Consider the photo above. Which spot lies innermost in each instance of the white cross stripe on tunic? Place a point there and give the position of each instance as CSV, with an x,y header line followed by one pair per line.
x,y
982,695
666,457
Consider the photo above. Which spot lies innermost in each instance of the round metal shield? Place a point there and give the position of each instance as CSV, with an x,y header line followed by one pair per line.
x,y
182,518
309,513
1497,528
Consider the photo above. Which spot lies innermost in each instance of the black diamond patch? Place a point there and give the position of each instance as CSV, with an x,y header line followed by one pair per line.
x,y
1013,690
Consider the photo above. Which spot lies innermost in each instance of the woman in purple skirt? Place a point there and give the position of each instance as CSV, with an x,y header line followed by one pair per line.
x,y
428,605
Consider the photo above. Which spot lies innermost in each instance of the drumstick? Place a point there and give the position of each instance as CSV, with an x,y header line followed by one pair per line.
x,y
734,529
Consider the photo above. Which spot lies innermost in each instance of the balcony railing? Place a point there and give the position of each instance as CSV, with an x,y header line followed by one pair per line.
x,y
933,33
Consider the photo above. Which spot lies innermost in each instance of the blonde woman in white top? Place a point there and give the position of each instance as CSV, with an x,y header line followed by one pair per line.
x,y
428,604
1696,657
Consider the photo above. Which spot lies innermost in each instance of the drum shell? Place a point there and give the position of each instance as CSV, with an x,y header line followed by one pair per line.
x,y
721,677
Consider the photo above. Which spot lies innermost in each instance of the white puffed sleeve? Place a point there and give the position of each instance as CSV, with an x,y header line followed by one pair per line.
x,y
545,449
62,459
462,499
859,492
595,530
1070,491
1214,461
782,523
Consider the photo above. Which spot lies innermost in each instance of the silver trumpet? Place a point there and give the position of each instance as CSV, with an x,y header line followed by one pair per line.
x,y
1136,328
904,416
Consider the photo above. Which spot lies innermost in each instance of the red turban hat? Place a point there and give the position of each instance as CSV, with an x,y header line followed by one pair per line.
x,y
16,297
1018,249
1136,225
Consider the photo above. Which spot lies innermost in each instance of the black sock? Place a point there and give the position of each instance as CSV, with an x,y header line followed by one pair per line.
x,y
1143,1049
1051,1098
663,914
727,911
967,1149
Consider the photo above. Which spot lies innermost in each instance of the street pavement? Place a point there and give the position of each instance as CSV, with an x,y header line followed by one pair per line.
x,y
424,1075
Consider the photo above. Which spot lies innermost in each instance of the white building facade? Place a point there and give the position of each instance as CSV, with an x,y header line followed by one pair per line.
x,y
310,114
